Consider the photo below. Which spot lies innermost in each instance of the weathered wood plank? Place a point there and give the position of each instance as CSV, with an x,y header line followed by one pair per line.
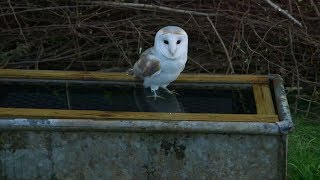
x,y
109,115
216,78
263,99
116,76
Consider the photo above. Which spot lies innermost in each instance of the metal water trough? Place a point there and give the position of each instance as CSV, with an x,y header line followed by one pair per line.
x,y
74,134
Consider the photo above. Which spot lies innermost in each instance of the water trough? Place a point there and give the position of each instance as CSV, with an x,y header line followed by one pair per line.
x,y
96,125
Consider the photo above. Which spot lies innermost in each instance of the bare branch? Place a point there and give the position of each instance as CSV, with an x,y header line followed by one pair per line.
x,y
315,8
283,12
15,17
223,45
149,7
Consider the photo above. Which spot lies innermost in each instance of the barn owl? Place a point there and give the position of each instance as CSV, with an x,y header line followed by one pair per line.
x,y
161,64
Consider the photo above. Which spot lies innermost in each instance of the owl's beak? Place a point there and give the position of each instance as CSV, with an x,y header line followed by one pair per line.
x,y
172,49
172,52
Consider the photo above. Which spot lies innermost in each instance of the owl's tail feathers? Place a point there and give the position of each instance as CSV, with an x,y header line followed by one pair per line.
x,y
130,72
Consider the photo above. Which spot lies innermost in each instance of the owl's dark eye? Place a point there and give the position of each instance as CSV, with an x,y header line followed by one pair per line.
x,y
166,42
178,42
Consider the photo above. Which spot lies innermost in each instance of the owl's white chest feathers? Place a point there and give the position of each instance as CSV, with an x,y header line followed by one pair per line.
x,y
170,70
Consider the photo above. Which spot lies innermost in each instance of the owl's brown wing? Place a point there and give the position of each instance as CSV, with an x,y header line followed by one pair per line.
x,y
148,65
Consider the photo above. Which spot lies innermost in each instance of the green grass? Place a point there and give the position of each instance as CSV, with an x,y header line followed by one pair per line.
x,y
304,151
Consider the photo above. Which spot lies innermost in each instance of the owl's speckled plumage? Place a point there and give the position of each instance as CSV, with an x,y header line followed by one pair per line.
x,y
161,64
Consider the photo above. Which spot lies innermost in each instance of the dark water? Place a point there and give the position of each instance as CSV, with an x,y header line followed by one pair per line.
x,y
126,98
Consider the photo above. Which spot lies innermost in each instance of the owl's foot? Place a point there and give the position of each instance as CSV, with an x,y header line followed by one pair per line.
x,y
155,95
172,92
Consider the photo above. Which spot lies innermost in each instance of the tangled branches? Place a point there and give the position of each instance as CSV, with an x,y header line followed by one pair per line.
x,y
246,37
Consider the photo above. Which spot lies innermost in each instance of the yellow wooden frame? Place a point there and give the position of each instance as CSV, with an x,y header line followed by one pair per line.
x,y
263,99
118,76
113,115
262,94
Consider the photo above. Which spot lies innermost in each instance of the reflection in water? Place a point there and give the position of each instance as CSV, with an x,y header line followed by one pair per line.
x,y
115,97
168,102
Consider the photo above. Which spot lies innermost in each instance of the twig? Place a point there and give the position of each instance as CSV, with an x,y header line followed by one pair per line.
x,y
315,8
204,36
109,33
313,114
41,9
139,37
40,52
203,68
311,100
68,96
283,12
223,45
15,17
150,7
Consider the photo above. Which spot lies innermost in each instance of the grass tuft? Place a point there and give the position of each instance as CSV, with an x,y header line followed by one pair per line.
x,y
304,151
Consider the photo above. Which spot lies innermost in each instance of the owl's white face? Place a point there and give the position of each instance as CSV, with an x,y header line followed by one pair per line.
x,y
171,42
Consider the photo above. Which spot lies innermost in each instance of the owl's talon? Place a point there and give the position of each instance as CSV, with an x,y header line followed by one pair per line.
x,y
172,92
155,96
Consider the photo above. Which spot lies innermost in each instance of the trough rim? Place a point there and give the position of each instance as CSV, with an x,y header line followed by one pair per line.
x,y
284,126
